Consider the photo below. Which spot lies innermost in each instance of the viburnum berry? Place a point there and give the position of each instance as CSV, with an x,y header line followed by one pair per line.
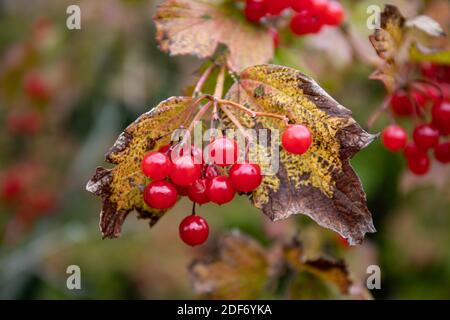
x,y
275,7
419,165
185,171
181,190
412,151
394,138
156,165
220,190
194,151
441,117
442,152
426,136
419,97
312,6
223,151
304,23
24,123
165,148
245,177
160,194
197,191
333,14
296,139
401,103
210,172
194,230
11,188
36,87
255,10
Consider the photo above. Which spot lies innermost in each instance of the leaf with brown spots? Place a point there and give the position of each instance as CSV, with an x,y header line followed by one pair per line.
x,y
197,27
320,183
121,187
239,271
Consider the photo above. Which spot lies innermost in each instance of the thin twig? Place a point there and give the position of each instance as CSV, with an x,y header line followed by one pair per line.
x,y
376,114
252,113
202,80
236,123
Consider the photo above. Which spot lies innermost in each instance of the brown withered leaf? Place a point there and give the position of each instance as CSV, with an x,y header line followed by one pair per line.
x,y
240,270
326,269
392,42
320,183
121,187
197,27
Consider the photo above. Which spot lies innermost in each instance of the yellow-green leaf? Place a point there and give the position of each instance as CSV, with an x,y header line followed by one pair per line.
x,y
121,187
320,183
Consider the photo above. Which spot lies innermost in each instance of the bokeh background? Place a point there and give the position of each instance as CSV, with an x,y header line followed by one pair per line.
x,y
65,95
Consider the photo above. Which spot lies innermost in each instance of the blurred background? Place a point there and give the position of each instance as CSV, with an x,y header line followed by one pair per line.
x,y
65,96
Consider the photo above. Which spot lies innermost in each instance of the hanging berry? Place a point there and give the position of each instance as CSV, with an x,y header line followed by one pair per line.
x,y
194,230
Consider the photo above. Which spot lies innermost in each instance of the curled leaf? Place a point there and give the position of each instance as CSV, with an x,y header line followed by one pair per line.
x,y
121,187
238,272
197,27
320,183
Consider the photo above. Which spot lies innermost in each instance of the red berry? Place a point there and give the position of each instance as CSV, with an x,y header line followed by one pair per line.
x,y
219,190
401,103
185,171
333,14
304,23
25,123
441,117
160,194
195,152
181,190
156,165
420,98
36,87
442,152
194,230
394,138
275,37
412,151
245,177
296,139
419,164
197,192
275,7
11,188
223,152
255,10
426,136
210,172
165,148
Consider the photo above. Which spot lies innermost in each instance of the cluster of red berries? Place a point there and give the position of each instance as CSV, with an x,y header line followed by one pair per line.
x,y
309,17
206,179
429,105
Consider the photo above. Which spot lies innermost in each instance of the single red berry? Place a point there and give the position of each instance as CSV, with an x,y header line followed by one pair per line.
x,y
24,123
275,37
401,103
441,117
442,152
156,165
333,15
245,177
223,151
194,230
181,190
185,171
420,98
12,188
426,136
419,165
194,151
305,23
255,10
296,139
394,138
275,7
412,151
220,190
160,194
197,191
36,87
165,148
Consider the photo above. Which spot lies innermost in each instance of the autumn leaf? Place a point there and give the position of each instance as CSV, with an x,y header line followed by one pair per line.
x,y
121,187
394,39
197,27
243,269
239,271
320,183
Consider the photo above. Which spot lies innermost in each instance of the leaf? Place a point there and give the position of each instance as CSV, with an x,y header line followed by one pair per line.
x,y
121,187
423,54
238,272
427,25
197,27
320,183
